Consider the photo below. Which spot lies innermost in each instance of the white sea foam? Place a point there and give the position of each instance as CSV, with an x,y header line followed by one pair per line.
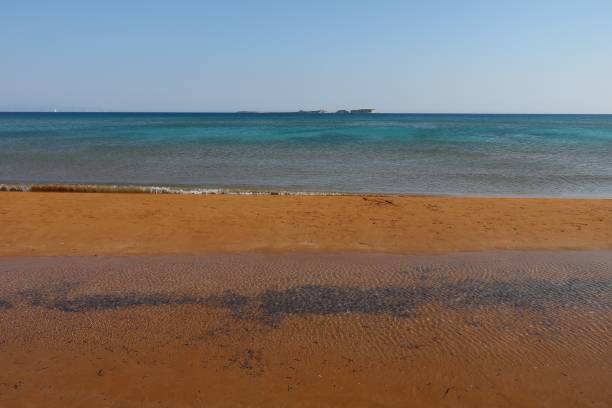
x,y
144,189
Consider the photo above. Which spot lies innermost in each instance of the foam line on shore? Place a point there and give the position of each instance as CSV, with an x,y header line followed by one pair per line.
x,y
144,189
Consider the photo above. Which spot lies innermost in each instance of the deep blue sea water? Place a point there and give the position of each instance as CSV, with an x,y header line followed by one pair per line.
x,y
509,155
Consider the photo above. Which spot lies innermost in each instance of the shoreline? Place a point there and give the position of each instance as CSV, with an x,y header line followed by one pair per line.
x,y
198,190
47,224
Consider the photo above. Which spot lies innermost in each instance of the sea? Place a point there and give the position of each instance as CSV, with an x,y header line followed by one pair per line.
x,y
302,153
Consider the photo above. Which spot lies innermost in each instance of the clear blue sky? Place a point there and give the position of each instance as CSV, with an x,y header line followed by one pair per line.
x,y
397,56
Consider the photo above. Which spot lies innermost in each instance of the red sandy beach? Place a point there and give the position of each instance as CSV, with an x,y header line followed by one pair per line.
x,y
143,301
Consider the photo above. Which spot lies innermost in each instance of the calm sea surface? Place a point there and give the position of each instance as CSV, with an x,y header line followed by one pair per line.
x,y
531,155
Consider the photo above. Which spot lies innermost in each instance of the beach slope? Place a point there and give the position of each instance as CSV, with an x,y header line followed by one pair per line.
x,y
120,224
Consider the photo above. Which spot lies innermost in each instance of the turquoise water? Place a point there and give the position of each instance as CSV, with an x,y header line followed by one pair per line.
x,y
531,155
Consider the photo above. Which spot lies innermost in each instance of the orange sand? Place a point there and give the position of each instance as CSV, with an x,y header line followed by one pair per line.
x,y
172,331
88,224
178,351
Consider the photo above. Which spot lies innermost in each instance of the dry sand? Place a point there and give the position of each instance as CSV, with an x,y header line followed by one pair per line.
x,y
120,224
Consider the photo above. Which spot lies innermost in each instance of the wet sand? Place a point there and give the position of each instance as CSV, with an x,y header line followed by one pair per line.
x,y
120,224
500,329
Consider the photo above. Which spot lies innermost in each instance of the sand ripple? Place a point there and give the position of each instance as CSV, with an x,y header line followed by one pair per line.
x,y
480,329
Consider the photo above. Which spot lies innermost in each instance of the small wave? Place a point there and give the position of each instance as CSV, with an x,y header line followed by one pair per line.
x,y
136,189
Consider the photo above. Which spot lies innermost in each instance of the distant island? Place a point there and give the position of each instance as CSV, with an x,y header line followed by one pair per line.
x,y
341,111
320,112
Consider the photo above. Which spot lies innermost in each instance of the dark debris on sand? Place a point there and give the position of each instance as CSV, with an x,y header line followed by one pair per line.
x,y
249,360
323,300
5,304
524,294
271,305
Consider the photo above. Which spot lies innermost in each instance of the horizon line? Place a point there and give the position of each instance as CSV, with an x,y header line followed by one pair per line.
x,y
310,113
